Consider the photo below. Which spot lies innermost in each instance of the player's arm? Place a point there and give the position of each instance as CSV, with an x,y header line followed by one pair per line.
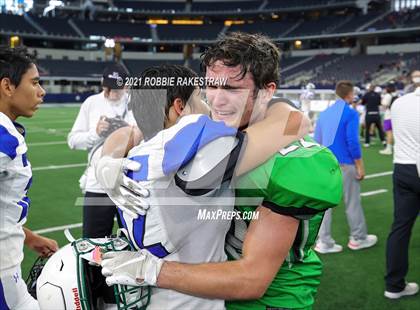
x,y
281,126
386,100
246,278
43,246
81,136
353,144
121,141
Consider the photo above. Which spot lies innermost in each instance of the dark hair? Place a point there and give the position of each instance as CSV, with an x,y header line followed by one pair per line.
x,y
14,62
150,106
390,87
255,53
343,88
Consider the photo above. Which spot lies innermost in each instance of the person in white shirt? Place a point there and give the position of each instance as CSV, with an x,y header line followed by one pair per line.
x,y
20,95
98,117
387,100
405,116
305,100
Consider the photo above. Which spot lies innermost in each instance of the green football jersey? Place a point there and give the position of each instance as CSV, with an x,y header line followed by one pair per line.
x,y
302,180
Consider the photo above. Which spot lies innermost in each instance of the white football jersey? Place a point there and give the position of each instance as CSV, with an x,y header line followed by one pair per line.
x,y
15,180
172,228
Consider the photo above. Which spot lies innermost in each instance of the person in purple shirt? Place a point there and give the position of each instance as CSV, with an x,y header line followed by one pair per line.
x,y
337,128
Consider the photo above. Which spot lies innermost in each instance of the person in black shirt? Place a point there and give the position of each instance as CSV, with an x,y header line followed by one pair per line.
x,y
372,101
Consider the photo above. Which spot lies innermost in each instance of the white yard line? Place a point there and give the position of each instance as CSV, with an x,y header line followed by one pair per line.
x,y
49,121
371,193
57,228
47,143
53,167
376,175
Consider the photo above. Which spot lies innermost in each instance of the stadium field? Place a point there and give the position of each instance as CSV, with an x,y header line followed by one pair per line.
x,y
351,280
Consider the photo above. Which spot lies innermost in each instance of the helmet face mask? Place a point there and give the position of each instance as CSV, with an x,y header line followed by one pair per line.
x,y
64,280
34,274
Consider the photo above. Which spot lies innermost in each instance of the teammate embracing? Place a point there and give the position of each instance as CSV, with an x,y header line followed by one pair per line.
x,y
273,265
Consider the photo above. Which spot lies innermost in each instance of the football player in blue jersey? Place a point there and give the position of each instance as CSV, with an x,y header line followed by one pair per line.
x,y
20,95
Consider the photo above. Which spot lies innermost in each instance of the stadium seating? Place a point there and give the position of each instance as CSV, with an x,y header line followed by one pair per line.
x,y
398,20
319,26
136,67
150,6
107,29
314,64
275,4
189,32
72,68
132,28
237,6
359,68
55,26
355,22
285,63
16,23
272,29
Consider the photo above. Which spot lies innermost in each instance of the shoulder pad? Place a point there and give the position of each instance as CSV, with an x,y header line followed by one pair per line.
x,y
211,166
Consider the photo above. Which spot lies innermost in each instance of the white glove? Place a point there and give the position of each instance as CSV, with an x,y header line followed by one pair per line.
x,y
131,268
125,193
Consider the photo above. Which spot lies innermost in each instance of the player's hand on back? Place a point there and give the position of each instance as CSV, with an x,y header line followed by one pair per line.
x,y
127,194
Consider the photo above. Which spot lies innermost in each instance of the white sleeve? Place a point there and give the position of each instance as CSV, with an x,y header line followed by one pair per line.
x,y
386,100
4,160
81,137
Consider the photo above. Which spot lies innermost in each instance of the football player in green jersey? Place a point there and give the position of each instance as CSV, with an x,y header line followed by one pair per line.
x,y
272,263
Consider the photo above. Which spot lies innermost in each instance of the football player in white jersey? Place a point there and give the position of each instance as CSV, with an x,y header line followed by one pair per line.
x,y
174,232
20,95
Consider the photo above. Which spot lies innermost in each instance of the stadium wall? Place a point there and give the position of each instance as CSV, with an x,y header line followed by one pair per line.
x,y
393,48
325,51
58,54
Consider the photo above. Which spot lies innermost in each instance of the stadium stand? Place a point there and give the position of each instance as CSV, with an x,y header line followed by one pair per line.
x,y
72,68
150,6
136,67
394,20
107,29
322,25
272,29
16,23
189,32
314,64
54,26
356,21
275,4
361,68
287,62
226,6
285,21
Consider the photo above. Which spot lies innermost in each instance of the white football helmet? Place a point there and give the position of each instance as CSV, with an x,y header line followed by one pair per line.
x,y
64,284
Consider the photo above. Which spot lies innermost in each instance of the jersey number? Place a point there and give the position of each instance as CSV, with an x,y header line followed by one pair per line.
x,y
302,143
